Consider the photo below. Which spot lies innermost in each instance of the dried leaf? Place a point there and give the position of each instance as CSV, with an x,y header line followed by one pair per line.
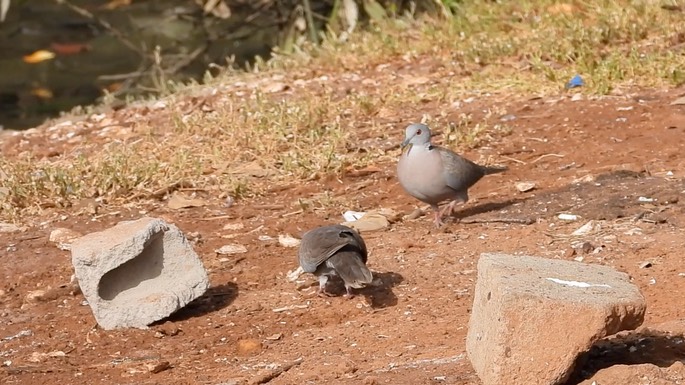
x,y
114,4
39,56
178,201
369,222
69,48
679,101
375,11
42,93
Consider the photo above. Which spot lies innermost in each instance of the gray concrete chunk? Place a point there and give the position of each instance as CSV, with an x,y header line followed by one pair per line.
x,y
532,317
137,272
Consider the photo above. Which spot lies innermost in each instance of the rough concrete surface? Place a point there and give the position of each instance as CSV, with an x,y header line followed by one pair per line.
x,y
532,316
137,272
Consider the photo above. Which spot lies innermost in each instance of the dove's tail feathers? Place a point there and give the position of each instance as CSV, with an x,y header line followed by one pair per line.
x,y
493,170
350,267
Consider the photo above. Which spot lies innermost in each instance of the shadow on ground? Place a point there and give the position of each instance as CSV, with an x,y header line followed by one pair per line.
x,y
608,196
214,299
639,347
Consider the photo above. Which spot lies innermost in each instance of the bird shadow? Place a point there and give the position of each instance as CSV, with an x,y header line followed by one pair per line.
x,y
379,294
655,347
215,298
460,215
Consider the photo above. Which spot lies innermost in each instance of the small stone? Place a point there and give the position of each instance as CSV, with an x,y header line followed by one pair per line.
x,y
63,237
525,186
156,367
645,264
288,240
9,228
231,249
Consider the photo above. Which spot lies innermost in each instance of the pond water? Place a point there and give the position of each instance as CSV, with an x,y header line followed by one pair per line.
x,y
100,45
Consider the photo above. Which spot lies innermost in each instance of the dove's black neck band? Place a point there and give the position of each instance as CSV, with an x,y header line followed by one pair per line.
x,y
430,147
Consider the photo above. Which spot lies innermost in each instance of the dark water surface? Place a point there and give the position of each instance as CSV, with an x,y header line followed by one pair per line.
x,y
90,59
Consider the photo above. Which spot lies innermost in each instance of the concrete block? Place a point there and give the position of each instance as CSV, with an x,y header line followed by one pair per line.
x,y
137,272
532,317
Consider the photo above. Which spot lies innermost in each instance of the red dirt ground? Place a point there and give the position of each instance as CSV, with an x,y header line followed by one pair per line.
x,y
593,158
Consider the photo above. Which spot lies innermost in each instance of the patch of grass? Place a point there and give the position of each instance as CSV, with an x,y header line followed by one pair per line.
x,y
416,66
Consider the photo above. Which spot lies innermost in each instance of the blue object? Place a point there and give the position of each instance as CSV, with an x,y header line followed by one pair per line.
x,y
576,81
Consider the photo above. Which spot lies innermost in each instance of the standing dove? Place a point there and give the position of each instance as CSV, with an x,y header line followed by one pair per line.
x,y
434,174
335,250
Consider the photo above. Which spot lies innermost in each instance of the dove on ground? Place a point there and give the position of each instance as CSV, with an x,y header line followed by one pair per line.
x,y
433,174
335,250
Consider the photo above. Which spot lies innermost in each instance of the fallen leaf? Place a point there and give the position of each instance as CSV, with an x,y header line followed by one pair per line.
x,y
217,8
178,201
69,48
42,93
369,222
114,4
39,56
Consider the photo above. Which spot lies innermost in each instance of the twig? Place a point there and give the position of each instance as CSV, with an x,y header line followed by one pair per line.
x,y
513,159
546,156
217,218
263,379
523,221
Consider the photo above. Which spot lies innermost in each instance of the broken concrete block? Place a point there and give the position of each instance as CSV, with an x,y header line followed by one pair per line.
x,y
137,272
532,317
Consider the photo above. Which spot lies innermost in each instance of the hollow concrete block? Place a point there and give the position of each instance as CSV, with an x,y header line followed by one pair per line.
x,y
137,272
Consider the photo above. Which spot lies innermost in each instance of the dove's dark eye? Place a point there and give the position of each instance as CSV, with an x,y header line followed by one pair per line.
x,y
418,132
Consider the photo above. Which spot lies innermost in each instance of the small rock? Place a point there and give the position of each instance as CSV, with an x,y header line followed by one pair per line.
x,y
567,217
586,228
292,276
156,367
9,228
645,264
288,240
36,296
231,249
63,237
525,186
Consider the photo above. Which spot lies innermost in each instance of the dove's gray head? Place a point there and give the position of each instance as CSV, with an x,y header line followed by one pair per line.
x,y
416,134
